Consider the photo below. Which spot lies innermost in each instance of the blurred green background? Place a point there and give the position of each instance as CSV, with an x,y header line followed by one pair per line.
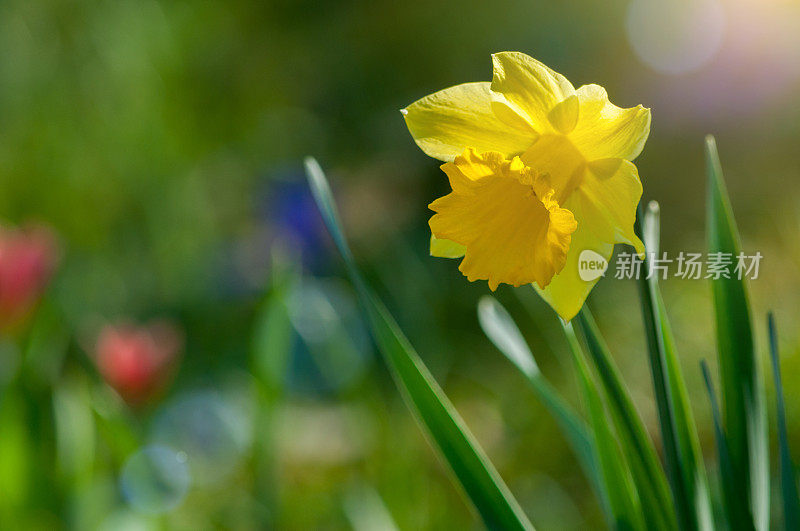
x,y
162,143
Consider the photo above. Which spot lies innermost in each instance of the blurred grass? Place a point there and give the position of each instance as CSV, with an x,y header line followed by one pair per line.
x,y
157,138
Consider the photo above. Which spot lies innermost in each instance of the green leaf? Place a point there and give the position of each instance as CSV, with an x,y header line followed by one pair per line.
x,y
16,456
649,478
623,505
270,353
791,498
682,450
470,465
738,515
272,330
743,400
500,328
366,510
74,430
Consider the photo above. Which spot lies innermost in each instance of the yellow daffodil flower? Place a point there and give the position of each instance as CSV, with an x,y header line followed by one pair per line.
x,y
540,172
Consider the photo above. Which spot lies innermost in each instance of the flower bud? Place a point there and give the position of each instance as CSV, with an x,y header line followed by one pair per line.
x,y
27,260
138,362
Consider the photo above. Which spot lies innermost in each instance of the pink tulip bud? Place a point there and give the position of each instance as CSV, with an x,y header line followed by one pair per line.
x,y
138,362
27,260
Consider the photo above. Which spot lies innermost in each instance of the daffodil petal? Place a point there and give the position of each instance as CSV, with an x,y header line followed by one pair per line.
x,y
604,130
554,155
446,248
528,87
445,123
564,116
608,196
513,229
474,166
567,292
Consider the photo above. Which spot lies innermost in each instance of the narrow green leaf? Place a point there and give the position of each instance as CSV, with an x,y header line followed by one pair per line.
x,y
270,353
694,471
366,510
500,328
682,451
470,465
649,478
272,330
624,507
16,457
742,389
74,430
791,498
738,514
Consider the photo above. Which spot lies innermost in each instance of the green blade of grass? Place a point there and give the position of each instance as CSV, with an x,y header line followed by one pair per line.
x,y
366,510
743,400
270,355
272,337
623,506
682,450
74,430
475,473
501,330
738,514
648,475
791,499
16,457
694,471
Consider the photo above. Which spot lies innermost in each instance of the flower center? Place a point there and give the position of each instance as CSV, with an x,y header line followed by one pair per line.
x,y
555,155
506,216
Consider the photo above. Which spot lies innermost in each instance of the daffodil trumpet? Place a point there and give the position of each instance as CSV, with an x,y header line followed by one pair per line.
x,y
539,171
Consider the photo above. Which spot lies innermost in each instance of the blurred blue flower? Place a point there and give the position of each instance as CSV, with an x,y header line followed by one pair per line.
x,y
287,222
290,210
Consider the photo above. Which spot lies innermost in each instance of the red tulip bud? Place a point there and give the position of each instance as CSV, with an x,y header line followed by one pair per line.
x,y
27,260
138,362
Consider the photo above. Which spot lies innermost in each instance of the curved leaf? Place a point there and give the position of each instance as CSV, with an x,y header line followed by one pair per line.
x,y
475,473
738,514
791,499
678,429
624,504
500,328
651,483
743,400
